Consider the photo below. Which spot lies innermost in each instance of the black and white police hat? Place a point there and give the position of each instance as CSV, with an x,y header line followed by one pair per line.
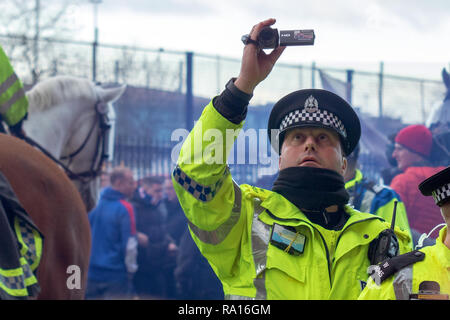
x,y
314,108
437,186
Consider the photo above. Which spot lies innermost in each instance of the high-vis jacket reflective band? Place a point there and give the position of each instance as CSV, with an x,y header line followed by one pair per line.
x,y
15,282
13,101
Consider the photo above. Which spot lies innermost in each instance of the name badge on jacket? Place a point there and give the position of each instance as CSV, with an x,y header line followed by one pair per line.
x,y
287,239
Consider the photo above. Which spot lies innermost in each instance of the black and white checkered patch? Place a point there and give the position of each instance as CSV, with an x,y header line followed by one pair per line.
x,y
323,117
441,193
199,191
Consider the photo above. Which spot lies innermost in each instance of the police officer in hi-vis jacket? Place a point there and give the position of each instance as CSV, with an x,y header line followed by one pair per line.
x,y
299,240
13,101
422,274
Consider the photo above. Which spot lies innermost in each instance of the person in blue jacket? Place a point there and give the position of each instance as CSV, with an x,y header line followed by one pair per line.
x,y
114,240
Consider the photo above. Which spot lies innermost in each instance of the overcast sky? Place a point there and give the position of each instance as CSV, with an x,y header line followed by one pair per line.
x,y
412,37
348,32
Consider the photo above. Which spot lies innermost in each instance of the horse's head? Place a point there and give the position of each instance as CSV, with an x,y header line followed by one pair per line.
x,y
93,143
74,120
439,120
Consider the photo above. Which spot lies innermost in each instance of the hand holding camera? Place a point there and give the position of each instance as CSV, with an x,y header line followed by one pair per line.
x,y
256,64
269,38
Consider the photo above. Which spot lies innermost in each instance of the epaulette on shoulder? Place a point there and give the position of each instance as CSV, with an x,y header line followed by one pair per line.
x,y
388,267
255,192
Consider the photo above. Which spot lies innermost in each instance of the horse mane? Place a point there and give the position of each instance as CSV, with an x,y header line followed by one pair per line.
x,y
54,91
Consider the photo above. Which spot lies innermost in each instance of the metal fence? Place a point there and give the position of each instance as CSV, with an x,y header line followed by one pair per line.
x,y
377,94
198,75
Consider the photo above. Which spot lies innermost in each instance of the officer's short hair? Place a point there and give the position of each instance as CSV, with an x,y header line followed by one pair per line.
x,y
353,157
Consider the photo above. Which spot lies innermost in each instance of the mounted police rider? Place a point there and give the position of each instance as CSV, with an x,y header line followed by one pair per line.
x,y
13,101
21,240
301,240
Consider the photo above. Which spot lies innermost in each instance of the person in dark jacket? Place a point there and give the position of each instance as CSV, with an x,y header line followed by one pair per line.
x,y
195,279
114,242
156,255
176,221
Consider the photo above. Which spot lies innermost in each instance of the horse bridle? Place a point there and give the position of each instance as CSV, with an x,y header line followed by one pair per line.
x,y
102,139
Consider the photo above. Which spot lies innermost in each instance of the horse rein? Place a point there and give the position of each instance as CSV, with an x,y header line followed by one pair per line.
x,y
95,170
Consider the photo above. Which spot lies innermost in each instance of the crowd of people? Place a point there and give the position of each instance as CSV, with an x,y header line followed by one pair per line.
x,y
141,245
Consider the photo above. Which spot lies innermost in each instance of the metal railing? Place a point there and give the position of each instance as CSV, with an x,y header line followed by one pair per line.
x,y
377,94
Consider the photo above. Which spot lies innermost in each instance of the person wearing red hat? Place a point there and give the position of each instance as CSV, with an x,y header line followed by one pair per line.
x,y
412,151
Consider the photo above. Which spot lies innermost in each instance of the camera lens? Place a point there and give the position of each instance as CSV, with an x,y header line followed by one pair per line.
x,y
268,38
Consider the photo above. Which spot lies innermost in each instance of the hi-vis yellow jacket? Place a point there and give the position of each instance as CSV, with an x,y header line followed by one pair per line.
x,y
435,267
13,101
232,227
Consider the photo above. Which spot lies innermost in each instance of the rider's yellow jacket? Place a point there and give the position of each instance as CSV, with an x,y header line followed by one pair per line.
x,y
435,267
232,226
13,101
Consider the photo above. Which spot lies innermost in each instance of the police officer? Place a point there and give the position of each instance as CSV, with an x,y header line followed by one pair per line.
x,y
299,240
375,198
13,101
423,274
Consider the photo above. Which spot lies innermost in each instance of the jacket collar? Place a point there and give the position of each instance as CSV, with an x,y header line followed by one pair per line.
x,y
283,209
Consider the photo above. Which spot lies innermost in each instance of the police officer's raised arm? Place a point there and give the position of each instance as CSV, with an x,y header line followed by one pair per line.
x,y
207,193
256,64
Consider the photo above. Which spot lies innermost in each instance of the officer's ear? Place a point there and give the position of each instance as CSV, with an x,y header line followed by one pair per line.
x,y
343,165
280,156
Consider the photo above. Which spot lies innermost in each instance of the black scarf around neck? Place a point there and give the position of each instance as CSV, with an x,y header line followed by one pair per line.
x,y
311,189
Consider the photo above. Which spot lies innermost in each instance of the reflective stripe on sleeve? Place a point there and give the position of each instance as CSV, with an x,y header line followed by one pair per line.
x,y
31,242
216,236
260,243
19,94
8,83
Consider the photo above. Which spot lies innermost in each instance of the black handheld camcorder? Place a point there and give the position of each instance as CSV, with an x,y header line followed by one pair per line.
x,y
269,38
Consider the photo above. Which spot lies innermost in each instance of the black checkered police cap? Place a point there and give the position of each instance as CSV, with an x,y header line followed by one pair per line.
x,y
437,186
314,108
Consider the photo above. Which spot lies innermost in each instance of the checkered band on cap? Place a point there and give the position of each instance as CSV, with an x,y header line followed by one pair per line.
x,y
441,193
323,117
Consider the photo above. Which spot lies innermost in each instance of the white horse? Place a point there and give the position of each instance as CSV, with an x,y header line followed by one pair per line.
x,y
73,119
